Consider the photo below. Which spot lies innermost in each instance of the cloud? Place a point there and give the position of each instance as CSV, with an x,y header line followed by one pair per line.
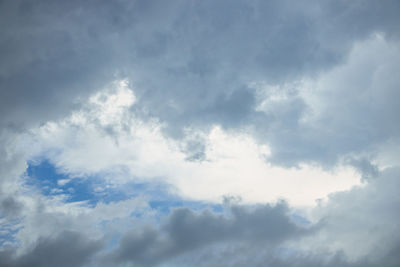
x,y
233,162
348,215
185,230
352,228
190,64
251,98
281,43
9,207
252,235
66,249
47,68
12,165
351,108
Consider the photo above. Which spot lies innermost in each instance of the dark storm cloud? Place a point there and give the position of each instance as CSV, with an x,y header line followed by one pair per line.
x,y
186,230
67,249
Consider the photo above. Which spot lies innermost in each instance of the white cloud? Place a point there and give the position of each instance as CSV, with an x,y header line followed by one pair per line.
x,y
235,165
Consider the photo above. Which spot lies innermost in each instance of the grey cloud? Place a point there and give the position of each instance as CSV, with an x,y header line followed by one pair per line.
x,y
357,228
271,41
12,165
67,249
236,256
357,113
186,230
10,207
48,62
254,236
190,62
367,169
369,209
194,149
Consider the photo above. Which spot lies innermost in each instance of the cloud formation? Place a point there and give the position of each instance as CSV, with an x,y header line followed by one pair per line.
x,y
186,230
192,66
67,249
260,99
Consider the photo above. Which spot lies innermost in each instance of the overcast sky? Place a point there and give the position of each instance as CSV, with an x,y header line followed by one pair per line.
x,y
200,133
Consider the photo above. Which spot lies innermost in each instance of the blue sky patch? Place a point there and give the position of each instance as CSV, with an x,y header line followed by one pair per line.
x,y
52,182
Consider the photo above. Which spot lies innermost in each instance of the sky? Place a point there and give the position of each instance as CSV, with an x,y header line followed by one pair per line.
x,y
200,133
